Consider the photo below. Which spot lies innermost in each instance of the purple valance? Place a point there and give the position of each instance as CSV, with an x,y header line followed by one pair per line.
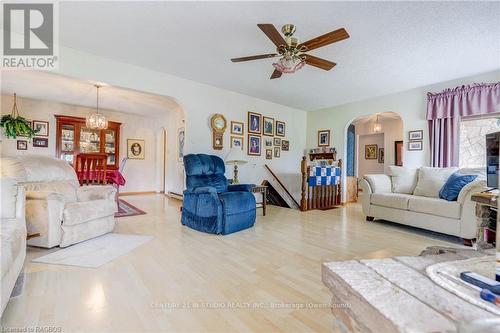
x,y
464,101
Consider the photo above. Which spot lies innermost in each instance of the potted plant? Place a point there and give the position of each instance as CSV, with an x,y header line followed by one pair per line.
x,y
14,125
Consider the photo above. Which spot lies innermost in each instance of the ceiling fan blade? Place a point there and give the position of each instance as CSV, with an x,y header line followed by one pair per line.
x,y
255,57
276,74
329,38
272,34
318,62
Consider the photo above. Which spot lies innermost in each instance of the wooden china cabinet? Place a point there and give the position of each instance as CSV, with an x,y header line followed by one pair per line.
x,y
73,137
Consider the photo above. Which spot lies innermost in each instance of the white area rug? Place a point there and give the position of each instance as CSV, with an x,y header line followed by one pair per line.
x,y
95,252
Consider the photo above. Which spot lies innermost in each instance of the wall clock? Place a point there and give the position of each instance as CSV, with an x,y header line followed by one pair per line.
x,y
218,123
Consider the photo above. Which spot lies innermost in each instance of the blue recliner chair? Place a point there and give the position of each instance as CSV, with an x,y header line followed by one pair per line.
x,y
210,204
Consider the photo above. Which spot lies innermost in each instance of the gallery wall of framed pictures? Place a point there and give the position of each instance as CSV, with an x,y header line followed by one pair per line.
x,y
416,140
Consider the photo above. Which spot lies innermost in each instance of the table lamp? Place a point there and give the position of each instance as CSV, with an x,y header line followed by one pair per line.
x,y
236,156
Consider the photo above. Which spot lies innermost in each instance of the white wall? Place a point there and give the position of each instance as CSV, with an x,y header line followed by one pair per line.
x,y
198,102
141,175
410,105
365,166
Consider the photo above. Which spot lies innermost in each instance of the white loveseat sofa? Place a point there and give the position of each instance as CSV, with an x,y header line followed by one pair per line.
x,y
57,207
411,197
12,236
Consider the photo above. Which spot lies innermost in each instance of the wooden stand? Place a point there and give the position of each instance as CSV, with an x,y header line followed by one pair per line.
x,y
318,197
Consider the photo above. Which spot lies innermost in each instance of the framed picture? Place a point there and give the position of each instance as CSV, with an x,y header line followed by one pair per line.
x,y
371,152
381,156
237,142
237,127
254,123
398,157
181,135
135,149
280,128
41,127
415,145
268,126
277,152
285,145
268,142
416,135
254,145
269,154
41,142
277,142
22,145
323,138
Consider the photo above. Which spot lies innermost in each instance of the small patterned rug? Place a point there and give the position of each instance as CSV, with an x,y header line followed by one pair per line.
x,y
127,209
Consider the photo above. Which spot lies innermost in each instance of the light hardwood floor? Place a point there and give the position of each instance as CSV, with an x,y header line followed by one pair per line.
x,y
276,263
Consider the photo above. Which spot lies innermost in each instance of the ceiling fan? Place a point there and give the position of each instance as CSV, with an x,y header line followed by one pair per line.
x,y
292,51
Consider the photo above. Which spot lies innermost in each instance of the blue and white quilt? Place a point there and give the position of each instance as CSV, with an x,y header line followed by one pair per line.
x,y
324,175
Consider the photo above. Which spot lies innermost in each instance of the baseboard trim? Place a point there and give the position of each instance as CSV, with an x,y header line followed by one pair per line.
x,y
124,194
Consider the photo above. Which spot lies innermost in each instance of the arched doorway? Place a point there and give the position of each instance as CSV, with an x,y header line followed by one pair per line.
x,y
373,143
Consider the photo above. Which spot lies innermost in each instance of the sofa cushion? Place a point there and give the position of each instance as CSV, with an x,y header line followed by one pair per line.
x,y
12,241
451,189
81,212
66,188
237,202
45,169
404,180
431,180
435,206
379,183
391,200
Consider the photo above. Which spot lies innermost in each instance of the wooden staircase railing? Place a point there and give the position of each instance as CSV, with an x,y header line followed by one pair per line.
x,y
281,184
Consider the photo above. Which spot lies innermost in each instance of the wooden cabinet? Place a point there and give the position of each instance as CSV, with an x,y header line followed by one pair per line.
x,y
73,137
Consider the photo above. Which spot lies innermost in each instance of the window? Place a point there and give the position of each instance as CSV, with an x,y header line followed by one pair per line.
x,y
473,141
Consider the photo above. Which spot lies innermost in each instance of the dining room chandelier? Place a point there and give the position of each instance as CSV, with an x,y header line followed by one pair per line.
x,y
96,120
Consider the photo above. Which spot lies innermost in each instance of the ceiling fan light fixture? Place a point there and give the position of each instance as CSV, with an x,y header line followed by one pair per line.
x,y
289,64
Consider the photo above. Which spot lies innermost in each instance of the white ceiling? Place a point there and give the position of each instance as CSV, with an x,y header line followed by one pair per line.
x,y
373,117
52,87
394,46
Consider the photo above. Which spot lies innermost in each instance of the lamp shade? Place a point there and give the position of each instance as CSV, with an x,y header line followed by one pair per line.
x,y
236,156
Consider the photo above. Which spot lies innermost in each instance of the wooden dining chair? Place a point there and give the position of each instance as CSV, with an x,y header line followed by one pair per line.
x,y
91,168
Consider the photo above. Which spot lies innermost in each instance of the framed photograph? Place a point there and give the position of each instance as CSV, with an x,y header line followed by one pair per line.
x,y
268,126
237,142
277,152
285,145
135,149
254,145
371,152
280,128
181,135
22,145
41,127
416,135
415,145
323,138
237,127
381,156
254,123
268,142
269,154
41,142
277,142
398,148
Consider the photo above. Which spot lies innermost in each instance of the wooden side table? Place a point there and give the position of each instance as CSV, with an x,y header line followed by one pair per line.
x,y
261,189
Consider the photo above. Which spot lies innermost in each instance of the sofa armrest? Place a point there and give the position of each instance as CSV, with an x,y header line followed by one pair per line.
x,y
98,192
379,183
471,188
240,187
366,193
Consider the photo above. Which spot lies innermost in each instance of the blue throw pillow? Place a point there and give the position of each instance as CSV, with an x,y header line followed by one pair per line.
x,y
451,189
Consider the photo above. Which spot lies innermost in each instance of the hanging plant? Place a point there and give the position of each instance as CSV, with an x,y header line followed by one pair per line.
x,y
15,125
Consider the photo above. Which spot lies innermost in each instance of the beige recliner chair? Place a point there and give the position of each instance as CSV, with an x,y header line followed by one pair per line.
x,y
57,207
12,236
